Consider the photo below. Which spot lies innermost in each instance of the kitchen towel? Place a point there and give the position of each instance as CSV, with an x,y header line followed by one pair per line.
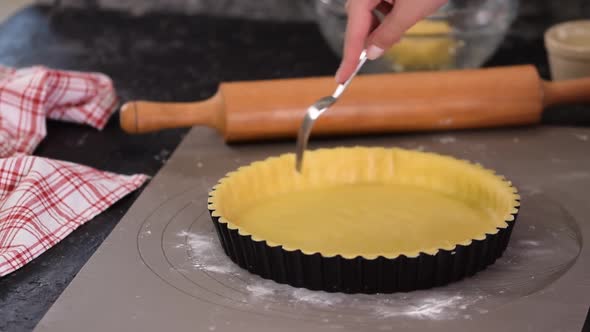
x,y
43,200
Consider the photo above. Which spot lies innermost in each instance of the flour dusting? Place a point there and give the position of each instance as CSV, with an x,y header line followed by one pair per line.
x,y
531,190
259,290
162,156
206,255
437,305
452,302
537,252
447,139
315,297
269,289
202,248
576,175
529,243
428,308
582,137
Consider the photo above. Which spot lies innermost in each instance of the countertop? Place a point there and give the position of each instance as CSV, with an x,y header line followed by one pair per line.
x,y
166,57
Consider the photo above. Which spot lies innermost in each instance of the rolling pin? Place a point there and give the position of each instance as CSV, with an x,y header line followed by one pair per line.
x,y
374,103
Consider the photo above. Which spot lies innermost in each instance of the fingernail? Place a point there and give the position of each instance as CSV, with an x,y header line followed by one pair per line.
x,y
374,52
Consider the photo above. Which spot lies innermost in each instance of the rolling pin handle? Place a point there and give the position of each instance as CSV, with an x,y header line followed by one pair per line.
x,y
128,118
566,91
140,117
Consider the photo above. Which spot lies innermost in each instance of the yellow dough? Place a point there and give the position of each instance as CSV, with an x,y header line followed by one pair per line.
x,y
364,201
426,45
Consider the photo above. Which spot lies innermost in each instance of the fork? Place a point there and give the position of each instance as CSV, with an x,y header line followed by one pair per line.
x,y
319,107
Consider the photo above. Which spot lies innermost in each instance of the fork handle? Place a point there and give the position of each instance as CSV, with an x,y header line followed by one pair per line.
x,y
341,87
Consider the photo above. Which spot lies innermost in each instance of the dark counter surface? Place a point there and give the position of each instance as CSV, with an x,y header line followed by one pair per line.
x,y
167,58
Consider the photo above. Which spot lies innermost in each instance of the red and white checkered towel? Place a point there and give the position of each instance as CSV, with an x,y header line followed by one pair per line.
x,y
43,200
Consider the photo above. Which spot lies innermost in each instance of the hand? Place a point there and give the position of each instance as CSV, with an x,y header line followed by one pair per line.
x,y
364,30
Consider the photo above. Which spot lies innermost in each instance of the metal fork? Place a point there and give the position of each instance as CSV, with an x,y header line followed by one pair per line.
x,y
315,110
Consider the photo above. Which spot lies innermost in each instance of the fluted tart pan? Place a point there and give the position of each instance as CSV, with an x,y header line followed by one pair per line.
x,y
364,219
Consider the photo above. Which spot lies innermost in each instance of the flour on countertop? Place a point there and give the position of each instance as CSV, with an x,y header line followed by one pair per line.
x,y
162,156
573,176
316,297
436,306
266,289
201,249
259,290
206,255
529,243
145,234
447,139
456,301
531,190
429,308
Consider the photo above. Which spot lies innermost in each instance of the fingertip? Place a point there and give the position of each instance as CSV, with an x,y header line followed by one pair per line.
x,y
342,73
338,76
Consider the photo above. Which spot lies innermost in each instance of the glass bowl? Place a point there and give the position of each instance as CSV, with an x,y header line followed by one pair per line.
x,y
461,34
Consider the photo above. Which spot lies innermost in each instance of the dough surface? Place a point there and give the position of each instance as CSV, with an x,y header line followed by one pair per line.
x,y
369,220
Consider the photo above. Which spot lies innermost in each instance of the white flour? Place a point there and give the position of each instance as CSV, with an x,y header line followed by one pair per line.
x,y
447,139
162,156
576,175
429,308
202,251
206,255
313,297
267,289
259,290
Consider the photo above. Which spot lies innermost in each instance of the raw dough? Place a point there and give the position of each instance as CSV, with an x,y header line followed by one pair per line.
x,y
426,45
365,201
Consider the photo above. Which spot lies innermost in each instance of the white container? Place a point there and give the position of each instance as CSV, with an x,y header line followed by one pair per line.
x,y
568,48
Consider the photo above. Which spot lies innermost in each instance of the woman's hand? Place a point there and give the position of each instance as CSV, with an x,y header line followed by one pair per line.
x,y
364,30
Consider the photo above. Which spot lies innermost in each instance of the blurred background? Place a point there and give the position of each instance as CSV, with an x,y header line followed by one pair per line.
x,y
464,34
8,7
298,9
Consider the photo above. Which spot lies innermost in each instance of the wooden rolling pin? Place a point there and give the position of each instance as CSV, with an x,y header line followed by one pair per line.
x,y
375,103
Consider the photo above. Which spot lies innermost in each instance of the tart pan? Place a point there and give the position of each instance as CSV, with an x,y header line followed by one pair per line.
x,y
364,219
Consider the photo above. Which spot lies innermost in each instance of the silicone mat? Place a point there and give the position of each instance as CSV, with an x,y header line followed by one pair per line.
x,y
162,267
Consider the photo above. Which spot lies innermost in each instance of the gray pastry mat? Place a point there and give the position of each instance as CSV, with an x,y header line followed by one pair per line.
x,y
162,269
